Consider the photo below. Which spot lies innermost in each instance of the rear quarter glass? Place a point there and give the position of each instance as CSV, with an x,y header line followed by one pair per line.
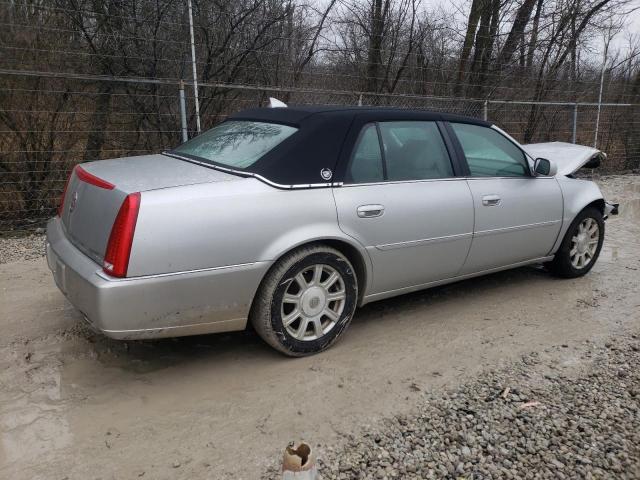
x,y
236,144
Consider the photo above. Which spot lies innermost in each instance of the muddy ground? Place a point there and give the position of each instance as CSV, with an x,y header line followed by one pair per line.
x,y
74,404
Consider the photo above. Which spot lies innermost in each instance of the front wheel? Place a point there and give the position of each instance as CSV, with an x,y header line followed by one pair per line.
x,y
581,245
306,301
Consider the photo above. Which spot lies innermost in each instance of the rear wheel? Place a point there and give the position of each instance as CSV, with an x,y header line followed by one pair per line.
x,y
581,245
306,300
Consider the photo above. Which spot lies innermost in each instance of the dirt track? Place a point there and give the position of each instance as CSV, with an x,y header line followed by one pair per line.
x,y
74,404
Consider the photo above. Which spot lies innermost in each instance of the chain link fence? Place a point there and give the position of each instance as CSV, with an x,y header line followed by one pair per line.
x,y
53,122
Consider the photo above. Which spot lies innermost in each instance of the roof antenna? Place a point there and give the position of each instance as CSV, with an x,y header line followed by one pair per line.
x,y
275,103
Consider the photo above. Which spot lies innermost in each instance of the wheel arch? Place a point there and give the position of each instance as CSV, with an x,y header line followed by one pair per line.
x,y
356,259
577,195
356,255
598,203
563,264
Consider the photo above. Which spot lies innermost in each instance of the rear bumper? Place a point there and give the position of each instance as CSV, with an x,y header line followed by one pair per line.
x,y
167,305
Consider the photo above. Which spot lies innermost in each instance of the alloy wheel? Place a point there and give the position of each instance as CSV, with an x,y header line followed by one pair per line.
x,y
584,243
313,302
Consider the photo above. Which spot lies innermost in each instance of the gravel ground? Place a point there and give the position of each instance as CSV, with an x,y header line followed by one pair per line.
x,y
403,395
27,247
530,420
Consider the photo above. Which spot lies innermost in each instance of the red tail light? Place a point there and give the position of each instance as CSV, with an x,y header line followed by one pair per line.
x,y
92,179
116,258
64,193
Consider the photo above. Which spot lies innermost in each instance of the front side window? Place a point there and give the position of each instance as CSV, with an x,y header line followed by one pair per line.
x,y
236,143
412,150
489,153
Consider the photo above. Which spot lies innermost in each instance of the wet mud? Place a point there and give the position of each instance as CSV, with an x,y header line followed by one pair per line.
x,y
74,404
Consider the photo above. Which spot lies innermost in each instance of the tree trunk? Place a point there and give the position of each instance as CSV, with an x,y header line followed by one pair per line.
x,y
534,34
98,123
374,56
573,43
516,33
472,25
484,47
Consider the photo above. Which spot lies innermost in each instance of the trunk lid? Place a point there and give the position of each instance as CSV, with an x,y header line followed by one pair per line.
x,y
567,156
96,190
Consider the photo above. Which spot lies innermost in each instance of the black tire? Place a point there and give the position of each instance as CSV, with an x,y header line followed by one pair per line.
x,y
561,265
267,309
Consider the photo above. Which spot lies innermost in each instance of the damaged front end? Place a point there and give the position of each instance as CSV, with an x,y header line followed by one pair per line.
x,y
610,209
568,157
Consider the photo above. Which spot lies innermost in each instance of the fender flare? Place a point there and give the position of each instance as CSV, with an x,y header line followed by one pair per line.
x,y
333,237
577,195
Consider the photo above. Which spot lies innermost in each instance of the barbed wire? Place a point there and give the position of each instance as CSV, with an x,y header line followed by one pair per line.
x,y
416,69
70,112
434,85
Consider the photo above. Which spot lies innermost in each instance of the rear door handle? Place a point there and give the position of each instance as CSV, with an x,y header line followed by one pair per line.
x,y
368,211
491,200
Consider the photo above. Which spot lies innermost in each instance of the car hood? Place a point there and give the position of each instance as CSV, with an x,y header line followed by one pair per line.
x,y
567,156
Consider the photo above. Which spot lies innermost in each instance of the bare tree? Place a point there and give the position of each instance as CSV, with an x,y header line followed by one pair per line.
x,y
376,39
559,45
64,99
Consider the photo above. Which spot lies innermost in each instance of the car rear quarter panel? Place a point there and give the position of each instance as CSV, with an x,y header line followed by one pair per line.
x,y
228,223
577,194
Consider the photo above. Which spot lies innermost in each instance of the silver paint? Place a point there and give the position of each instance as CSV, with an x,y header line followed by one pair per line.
x,y
204,301
205,238
524,225
399,241
567,156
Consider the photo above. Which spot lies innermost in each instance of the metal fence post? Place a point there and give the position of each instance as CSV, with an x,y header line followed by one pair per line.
x,y
183,114
595,134
575,123
485,110
193,64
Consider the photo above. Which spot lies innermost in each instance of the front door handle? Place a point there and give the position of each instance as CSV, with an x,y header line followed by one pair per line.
x,y
368,211
491,200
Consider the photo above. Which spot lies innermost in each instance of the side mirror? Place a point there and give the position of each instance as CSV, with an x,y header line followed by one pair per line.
x,y
544,168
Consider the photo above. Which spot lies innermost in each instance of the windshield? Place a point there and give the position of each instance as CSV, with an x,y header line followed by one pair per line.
x,y
236,143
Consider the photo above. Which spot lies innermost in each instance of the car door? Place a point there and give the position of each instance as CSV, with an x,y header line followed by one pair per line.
x,y
402,200
517,216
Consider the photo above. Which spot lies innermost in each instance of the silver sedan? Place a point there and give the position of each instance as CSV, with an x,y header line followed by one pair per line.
x,y
290,218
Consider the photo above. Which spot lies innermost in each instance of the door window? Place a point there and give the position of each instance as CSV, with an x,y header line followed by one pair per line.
x,y
413,150
489,153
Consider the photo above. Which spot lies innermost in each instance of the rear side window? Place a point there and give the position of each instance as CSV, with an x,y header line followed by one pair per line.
x,y
412,151
236,143
489,153
366,163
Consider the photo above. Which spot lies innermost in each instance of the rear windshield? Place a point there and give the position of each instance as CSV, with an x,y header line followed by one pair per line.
x,y
236,143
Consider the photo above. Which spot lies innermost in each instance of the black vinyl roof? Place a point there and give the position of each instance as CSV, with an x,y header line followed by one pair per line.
x,y
316,153
297,114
